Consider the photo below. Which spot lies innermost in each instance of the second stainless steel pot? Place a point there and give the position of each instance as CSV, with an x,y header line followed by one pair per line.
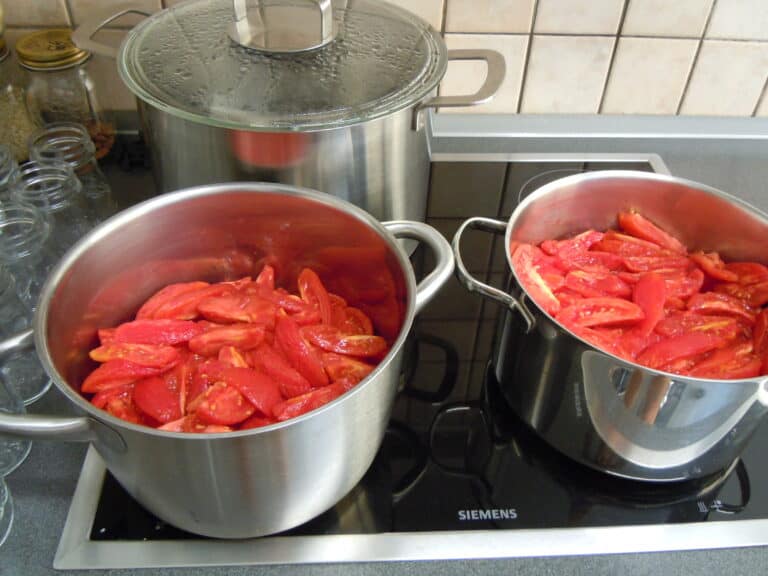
x,y
608,413
346,117
248,483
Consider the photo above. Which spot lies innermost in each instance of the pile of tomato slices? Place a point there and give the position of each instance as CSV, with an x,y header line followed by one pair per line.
x,y
639,293
203,357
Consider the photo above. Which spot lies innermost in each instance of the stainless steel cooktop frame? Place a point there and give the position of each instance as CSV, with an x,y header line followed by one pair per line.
x,y
77,551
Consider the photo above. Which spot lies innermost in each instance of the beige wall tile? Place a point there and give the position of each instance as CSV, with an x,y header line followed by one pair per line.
x,y
84,9
739,19
665,18
38,13
648,75
429,10
467,77
578,16
728,79
566,74
511,16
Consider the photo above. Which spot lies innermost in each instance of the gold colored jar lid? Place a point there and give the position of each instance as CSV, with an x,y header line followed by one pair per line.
x,y
49,50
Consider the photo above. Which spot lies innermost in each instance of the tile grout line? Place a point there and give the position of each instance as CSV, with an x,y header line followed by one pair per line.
x,y
612,60
761,98
695,60
68,11
528,50
600,35
444,23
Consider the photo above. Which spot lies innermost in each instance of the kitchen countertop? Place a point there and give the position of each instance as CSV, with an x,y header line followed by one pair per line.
x,y
729,155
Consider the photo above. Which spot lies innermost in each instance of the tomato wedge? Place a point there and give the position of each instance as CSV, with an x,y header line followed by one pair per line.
x,y
155,398
650,294
269,361
238,307
640,227
340,367
117,373
162,331
299,405
647,263
167,295
223,404
714,303
570,247
682,347
595,284
713,266
298,351
748,272
244,336
626,245
152,355
603,311
331,339
312,291
258,389
728,327
531,280
732,362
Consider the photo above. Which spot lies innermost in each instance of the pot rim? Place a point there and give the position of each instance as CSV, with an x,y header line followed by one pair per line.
x,y
146,207
552,187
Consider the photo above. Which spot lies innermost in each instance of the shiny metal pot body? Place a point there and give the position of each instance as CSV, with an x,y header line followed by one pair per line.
x,y
254,482
381,165
605,412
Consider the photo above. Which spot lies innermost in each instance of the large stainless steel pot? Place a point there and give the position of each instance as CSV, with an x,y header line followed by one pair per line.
x,y
346,117
603,411
247,483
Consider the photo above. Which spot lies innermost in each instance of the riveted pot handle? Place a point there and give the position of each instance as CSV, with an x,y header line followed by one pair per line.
x,y
83,34
429,286
473,284
497,70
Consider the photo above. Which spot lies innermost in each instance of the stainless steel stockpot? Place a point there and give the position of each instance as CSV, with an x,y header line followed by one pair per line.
x,y
254,482
605,412
227,91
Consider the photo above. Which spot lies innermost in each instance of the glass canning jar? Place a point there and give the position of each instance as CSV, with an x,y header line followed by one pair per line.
x,y
17,124
70,142
9,172
60,87
53,189
24,252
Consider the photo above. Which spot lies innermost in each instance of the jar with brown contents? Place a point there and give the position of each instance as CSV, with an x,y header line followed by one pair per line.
x,y
60,88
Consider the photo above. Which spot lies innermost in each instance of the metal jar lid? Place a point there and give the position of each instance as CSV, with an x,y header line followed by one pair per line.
x,y
191,60
49,50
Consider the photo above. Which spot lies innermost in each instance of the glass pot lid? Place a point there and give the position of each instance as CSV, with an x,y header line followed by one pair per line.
x,y
381,59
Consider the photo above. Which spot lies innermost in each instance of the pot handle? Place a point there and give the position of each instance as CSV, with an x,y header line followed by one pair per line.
x,y
38,427
429,286
83,34
474,285
497,69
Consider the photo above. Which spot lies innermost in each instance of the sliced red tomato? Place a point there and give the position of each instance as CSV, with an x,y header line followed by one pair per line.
x,y
256,421
732,362
596,284
103,397
640,227
714,303
531,280
162,331
116,373
760,338
157,399
582,260
106,335
674,324
123,408
238,307
603,311
205,375
626,245
569,247
242,336
223,404
675,348
299,405
231,356
566,296
353,321
647,263
713,266
650,294
313,292
340,367
266,278
269,361
260,390
152,355
331,339
191,423
748,272
298,351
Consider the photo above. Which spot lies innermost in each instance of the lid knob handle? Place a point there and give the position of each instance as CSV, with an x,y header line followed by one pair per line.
x,y
282,26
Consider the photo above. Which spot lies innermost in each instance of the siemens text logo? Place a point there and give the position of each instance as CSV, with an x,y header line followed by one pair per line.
x,y
492,514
